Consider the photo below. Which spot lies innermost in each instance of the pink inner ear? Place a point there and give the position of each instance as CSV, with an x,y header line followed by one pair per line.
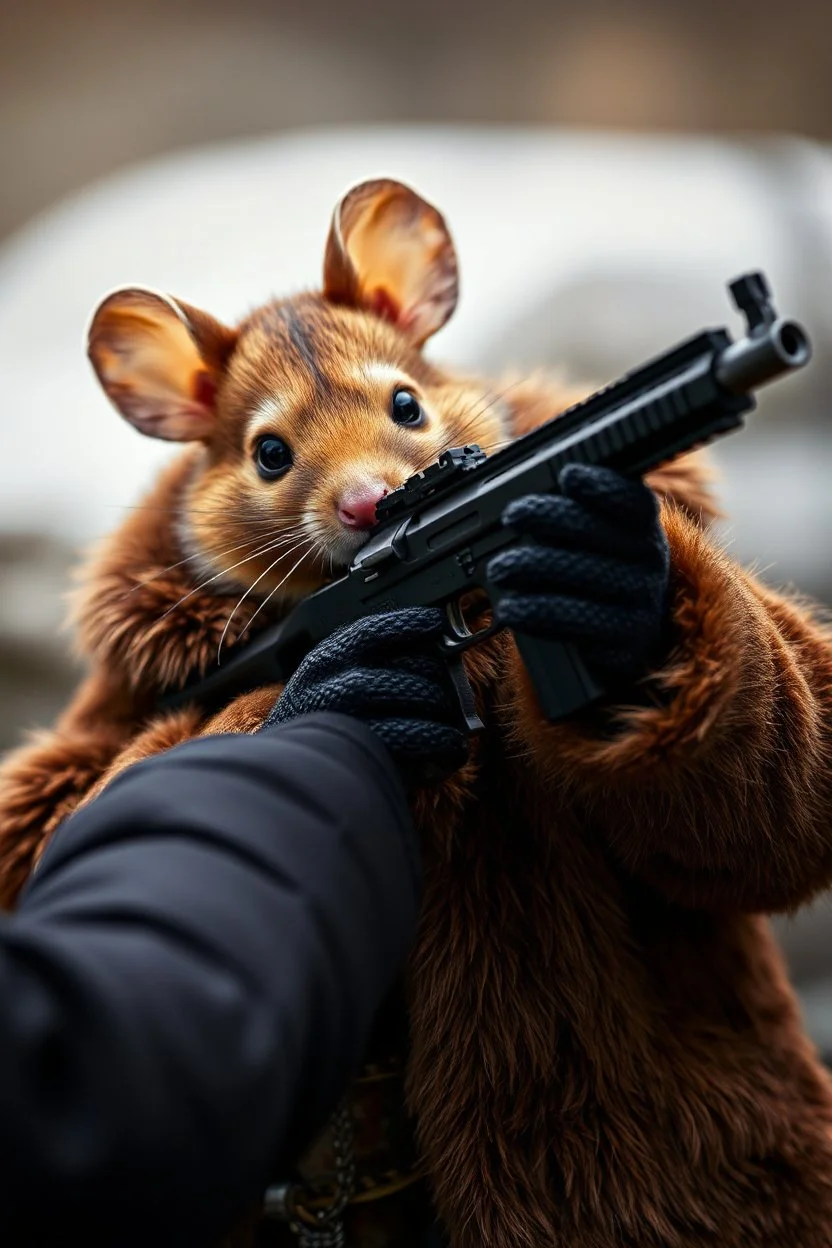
x,y
204,389
383,304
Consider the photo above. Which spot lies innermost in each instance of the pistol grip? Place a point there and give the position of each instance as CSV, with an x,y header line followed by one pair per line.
x,y
560,679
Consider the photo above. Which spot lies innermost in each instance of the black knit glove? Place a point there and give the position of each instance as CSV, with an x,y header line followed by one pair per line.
x,y
386,671
595,571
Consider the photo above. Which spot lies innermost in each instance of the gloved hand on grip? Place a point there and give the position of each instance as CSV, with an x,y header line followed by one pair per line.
x,y
593,570
385,670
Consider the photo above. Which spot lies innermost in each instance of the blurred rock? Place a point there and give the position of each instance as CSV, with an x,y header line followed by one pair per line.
x,y
37,673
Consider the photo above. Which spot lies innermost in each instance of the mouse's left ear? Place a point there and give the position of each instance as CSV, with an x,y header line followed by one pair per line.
x,y
390,252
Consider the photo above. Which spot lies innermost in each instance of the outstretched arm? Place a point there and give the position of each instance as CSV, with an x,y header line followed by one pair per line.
x,y
711,775
191,977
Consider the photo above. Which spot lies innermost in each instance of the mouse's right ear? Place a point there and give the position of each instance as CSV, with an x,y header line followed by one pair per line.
x,y
159,362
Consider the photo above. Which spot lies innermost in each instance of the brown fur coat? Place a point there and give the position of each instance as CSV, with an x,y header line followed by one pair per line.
x,y
605,1049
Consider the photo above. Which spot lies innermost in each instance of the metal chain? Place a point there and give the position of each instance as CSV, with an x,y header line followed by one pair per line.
x,y
320,1237
321,1228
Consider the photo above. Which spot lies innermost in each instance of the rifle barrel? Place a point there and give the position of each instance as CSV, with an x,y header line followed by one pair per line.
x,y
763,356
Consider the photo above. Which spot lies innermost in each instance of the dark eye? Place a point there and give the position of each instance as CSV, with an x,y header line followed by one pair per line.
x,y
272,457
405,409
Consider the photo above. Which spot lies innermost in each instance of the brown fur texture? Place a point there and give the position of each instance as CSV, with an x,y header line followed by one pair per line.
x,y
604,1047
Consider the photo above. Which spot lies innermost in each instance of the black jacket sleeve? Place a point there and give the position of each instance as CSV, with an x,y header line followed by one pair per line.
x,y
191,977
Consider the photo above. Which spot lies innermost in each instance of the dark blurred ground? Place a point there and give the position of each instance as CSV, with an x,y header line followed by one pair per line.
x,y
87,86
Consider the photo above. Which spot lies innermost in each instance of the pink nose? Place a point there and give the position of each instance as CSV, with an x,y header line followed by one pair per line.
x,y
357,507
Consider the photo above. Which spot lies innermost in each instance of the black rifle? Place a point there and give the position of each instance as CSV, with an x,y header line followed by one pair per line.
x,y
436,534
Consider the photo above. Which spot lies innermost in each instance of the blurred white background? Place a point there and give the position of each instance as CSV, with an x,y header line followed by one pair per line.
x,y
605,169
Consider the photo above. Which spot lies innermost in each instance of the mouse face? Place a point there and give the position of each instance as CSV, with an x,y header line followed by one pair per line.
x,y
324,411
313,408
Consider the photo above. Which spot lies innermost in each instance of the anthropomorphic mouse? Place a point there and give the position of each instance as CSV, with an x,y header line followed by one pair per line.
x,y
602,1047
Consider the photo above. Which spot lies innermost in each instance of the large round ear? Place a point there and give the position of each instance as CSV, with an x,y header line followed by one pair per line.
x,y
159,362
390,251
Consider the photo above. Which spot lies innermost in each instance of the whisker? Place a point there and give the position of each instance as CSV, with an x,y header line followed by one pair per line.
x,y
263,550
294,566
192,558
241,600
181,509
474,415
499,446
488,402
